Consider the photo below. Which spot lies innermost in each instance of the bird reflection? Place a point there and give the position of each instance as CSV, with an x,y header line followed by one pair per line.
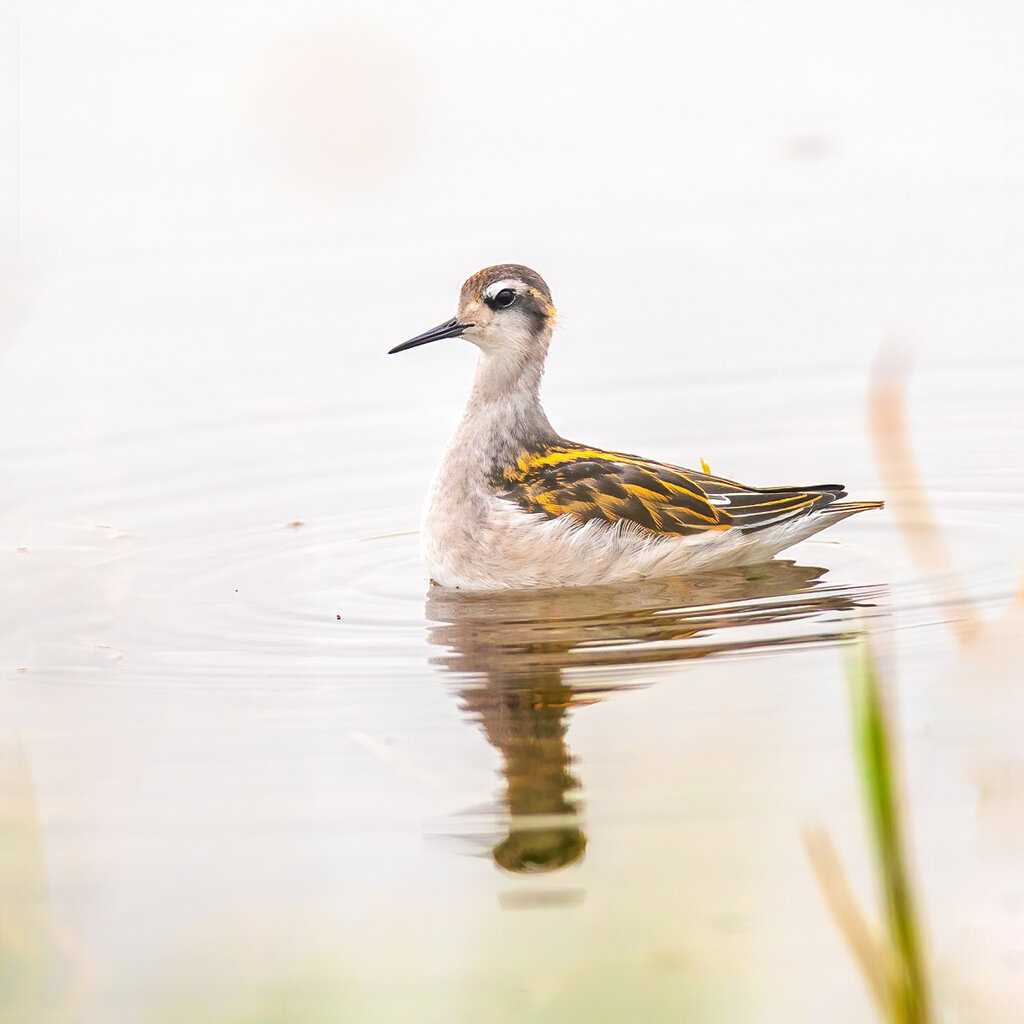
x,y
523,659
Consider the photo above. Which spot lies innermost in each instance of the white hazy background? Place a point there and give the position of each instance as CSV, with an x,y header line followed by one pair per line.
x,y
641,157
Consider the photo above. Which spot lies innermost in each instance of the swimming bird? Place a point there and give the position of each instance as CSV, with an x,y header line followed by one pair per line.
x,y
514,504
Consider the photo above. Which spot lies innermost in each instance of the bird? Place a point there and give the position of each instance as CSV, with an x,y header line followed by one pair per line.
x,y
516,505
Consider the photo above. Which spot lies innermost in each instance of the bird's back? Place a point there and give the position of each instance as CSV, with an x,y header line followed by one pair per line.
x,y
588,484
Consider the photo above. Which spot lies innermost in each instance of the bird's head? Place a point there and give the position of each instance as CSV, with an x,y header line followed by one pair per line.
x,y
505,311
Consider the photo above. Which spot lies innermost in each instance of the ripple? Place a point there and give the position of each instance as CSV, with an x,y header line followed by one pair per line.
x,y
210,577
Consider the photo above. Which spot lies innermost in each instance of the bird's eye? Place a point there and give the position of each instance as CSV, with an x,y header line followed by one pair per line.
x,y
504,298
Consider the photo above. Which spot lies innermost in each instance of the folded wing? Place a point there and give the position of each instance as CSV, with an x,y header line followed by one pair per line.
x,y
588,483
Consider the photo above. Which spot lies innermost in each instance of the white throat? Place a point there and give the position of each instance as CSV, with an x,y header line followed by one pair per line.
x,y
504,413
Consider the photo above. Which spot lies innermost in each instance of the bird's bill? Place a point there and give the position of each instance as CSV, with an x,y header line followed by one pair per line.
x,y
449,329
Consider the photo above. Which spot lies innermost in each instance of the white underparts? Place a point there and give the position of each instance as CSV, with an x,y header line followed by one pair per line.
x,y
512,548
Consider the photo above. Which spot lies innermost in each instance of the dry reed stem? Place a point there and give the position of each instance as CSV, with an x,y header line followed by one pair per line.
x,y
865,946
905,493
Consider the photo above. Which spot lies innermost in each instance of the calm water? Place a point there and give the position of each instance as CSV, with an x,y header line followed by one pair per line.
x,y
255,768
252,768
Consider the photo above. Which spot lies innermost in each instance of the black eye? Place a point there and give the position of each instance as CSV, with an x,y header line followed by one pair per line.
x,y
503,299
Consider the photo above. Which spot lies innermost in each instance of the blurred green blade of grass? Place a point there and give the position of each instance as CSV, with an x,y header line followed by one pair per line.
x,y
909,1000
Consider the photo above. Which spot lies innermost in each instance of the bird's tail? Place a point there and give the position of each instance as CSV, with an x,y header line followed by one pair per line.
x,y
849,507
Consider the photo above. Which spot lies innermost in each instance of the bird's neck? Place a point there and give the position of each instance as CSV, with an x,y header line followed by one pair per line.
x,y
504,415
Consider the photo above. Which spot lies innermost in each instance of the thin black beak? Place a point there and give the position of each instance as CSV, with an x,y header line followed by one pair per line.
x,y
449,329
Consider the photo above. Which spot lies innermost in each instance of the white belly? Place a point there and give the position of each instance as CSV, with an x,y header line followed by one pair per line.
x,y
493,544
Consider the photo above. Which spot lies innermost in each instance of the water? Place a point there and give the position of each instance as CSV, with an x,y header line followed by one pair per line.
x,y
252,766
252,758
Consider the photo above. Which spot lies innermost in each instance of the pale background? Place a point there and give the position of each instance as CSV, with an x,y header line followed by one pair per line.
x,y
216,220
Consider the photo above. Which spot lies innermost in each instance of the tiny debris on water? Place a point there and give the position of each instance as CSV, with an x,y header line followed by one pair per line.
x,y
297,522
112,531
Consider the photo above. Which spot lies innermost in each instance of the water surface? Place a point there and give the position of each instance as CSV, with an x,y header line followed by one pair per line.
x,y
252,759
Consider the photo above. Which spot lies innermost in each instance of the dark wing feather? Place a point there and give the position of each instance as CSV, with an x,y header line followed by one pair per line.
x,y
587,483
